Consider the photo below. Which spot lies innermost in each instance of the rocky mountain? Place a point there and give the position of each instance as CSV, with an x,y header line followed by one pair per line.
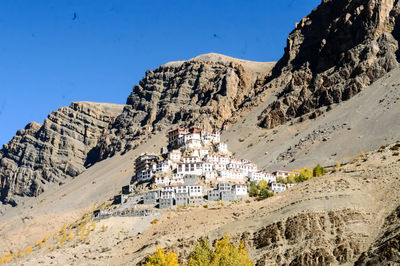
x,y
333,53
344,56
53,151
207,91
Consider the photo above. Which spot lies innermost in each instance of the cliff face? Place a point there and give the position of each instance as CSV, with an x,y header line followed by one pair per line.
x,y
206,91
312,239
52,151
333,53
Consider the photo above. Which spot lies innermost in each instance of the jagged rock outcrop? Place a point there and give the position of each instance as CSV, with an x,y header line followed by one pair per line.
x,y
206,91
52,151
311,238
336,51
386,248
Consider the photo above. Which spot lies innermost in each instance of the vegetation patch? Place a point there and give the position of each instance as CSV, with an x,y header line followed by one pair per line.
x,y
396,147
260,190
223,252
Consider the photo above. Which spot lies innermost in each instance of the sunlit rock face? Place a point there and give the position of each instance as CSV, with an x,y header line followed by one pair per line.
x,y
207,91
333,53
53,151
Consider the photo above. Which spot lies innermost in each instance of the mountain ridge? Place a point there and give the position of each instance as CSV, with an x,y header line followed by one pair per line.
x,y
333,54
52,151
198,92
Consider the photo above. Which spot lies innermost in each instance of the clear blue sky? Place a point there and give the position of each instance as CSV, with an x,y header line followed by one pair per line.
x,y
56,52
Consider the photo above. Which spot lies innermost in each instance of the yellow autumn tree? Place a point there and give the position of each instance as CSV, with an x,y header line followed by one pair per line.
x,y
39,244
225,253
262,185
70,236
304,174
7,257
161,258
28,250
201,255
290,179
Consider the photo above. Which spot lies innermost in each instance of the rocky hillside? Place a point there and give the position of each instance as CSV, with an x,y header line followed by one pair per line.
x,y
207,91
349,215
385,248
52,151
333,53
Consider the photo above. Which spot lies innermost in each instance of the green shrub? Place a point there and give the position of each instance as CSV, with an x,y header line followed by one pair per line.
x,y
281,180
253,191
265,193
290,179
301,178
395,147
260,189
318,170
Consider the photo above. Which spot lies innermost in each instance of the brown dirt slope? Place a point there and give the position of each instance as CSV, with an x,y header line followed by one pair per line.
x,y
45,214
